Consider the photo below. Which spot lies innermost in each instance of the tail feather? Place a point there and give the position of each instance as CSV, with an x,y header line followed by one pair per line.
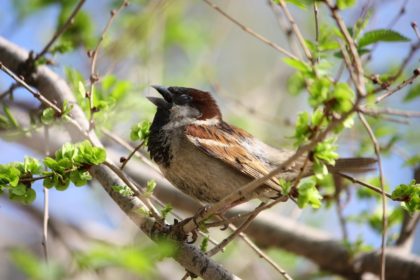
x,y
353,165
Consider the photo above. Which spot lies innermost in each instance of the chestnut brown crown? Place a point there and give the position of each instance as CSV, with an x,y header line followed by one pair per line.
x,y
184,96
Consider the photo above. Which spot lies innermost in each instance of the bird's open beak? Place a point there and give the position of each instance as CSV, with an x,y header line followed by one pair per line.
x,y
166,102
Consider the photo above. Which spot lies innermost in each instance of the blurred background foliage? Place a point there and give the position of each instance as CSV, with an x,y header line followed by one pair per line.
x,y
185,43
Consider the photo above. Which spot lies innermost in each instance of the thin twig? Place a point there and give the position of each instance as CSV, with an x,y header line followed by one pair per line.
x,y
46,202
228,239
93,55
316,17
409,81
42,98
34,92
9,91
137,191
358,68
250,31
131,154
367,185
129,148
382,184
263,255
287,30
416,30
296,30
390,111
60,30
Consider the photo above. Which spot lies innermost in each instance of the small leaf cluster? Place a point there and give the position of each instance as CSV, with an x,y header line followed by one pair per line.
x,y
409,194
49,115
69,164
323,154
15,178
140,131
125,191
108,93
308,193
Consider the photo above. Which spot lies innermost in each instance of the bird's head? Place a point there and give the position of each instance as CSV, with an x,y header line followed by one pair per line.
x,y
186,104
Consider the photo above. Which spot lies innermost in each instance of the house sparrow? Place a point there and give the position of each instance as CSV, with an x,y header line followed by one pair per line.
x,y
207,158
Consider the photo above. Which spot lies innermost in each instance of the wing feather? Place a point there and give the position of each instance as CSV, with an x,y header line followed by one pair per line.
x,y
228,144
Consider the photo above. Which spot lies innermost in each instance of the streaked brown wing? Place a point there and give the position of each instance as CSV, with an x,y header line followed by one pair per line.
x,y
226,144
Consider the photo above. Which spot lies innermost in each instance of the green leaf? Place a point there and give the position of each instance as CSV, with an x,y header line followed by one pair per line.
x,y
345,4
35,268
409,195
296,83
150,187
81,89
80,178
204,244
10,117
81,32
61,183
140,131
19,190
297,64
62,47
308,194
29,196
165,210
413,93
325,151
413,160
123,190
319,90
48,116
51,163
343,97
320,170
32,165
285,185
88,154
380,35
302,129
9,175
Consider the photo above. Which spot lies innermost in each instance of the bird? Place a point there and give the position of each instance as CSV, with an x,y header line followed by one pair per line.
x,y
208,159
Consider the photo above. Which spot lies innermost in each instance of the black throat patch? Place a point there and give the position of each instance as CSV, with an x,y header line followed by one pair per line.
x,y
158,147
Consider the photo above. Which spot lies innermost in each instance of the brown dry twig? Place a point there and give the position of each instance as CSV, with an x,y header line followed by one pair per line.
x,y
405,83
382,183
250,31
93,55
60,30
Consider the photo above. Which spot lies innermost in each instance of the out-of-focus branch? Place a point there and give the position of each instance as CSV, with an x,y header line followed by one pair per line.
x,y
330,254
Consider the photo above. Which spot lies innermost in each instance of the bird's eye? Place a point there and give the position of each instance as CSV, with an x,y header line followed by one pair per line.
x,y
182,99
